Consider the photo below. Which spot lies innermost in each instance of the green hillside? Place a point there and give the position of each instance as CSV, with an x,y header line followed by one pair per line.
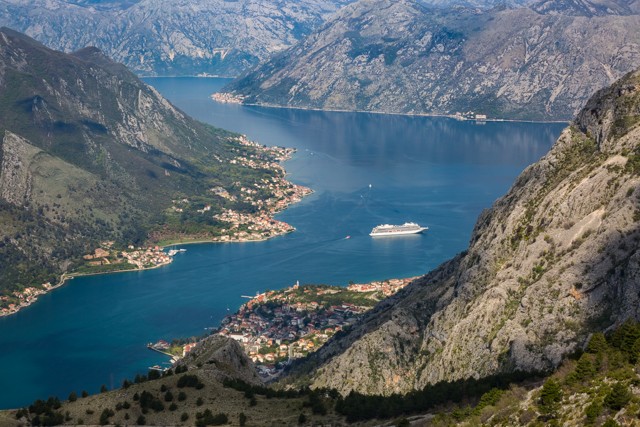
x,y
89,153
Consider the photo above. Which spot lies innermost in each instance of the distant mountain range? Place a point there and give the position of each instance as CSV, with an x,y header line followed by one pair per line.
x,y
181,37
89,153
538,62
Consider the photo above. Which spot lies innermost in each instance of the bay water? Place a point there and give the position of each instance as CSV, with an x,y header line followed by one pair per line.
x,y
365,169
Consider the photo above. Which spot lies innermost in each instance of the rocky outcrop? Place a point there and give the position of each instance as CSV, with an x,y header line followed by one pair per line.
x,y
555,259
540,62
220,358
15,176
184,37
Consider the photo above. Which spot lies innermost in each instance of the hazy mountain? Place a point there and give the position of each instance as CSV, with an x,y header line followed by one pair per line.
x,y
89,153
155,37
400,56
554,260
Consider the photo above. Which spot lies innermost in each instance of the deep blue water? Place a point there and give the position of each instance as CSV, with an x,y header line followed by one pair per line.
x,y
366,169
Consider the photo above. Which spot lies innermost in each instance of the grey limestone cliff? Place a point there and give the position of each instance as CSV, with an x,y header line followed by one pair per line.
x,y
538,62
552,261
183,37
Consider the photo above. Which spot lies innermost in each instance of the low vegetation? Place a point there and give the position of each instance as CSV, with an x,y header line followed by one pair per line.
x,y
595,387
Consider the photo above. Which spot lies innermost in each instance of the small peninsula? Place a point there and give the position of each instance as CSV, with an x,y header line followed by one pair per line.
x,y
276,327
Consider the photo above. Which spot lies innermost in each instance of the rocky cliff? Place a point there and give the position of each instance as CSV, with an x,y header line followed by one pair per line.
x,y
90,153
552,261
540,62
184,37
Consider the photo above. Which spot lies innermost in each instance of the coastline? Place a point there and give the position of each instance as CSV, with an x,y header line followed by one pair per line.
x,y
338,110
66,276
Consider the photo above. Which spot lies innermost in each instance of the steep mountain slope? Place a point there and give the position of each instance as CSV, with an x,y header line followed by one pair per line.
x,y
90,153
541,62
554,260
154,37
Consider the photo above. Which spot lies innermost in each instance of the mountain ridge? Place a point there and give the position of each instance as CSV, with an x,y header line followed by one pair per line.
x,y
552,261
512,63
183,37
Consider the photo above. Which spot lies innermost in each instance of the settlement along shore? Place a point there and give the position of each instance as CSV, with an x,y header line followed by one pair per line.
x,y
276,327
258,225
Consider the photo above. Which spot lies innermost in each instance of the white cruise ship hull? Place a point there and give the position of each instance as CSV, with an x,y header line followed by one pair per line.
x,y
397,233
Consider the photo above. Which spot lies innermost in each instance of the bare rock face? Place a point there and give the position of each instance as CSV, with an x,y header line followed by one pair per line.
x,y
555,259
183,37
540,62
15,176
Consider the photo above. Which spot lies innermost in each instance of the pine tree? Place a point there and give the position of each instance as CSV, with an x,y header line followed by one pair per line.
x,y
550,396
597,343
584,368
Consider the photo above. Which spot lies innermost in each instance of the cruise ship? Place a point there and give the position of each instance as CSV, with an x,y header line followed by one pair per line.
x,y
397,230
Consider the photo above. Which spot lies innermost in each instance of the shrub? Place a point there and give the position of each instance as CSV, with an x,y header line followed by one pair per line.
x,y
302,418
208,419
593,411
618,397
242,419
182,396
105,415
141,420
189,381
184,417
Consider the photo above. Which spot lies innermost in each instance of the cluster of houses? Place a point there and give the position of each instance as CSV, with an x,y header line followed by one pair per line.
x,y
227,98
259,225
251,226
386,287
470,115
10,304
147,258
277,326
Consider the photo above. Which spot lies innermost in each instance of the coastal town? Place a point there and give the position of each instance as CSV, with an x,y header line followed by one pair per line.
x,y
276,327
104,259
10,304
266,197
